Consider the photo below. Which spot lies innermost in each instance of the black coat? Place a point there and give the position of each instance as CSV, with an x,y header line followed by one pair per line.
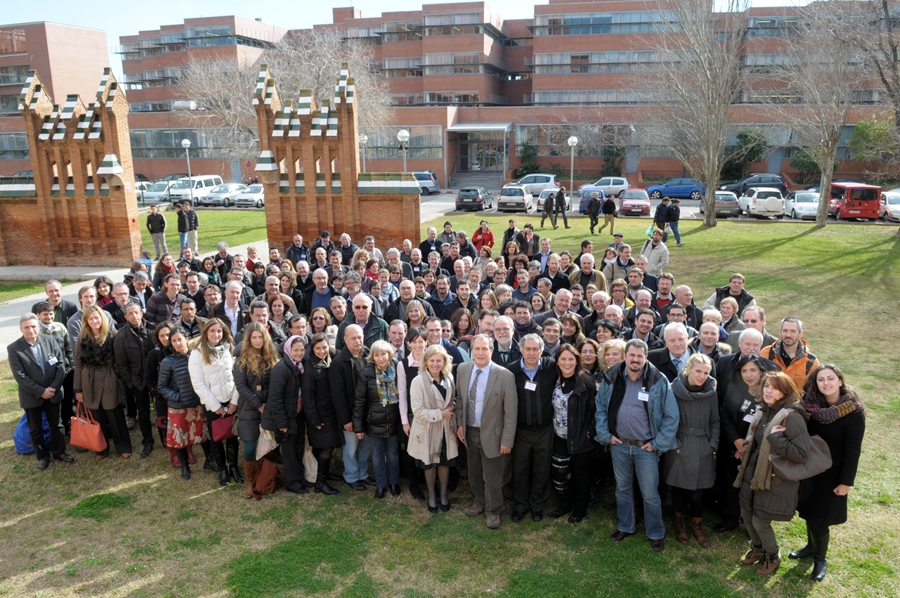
x,y
132,346
281,405
31,379
67,308
369,415
151,368
319,407
818,503
663,362
174,382
580,412
253,392
535,406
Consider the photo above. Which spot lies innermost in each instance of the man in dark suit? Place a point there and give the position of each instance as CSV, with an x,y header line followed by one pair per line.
x,y
486,424
121,299
62,309
38,365
140,289
671,359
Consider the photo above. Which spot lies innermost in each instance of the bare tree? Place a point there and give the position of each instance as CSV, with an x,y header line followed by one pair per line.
x,y
584,122
879,44
310,59
693,83
817,83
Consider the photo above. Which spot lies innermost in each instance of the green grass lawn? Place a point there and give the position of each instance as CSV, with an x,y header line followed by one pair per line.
x,y
134,528
14,290
236,226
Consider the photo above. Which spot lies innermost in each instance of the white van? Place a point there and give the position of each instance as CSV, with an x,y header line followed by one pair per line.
x,y
196,187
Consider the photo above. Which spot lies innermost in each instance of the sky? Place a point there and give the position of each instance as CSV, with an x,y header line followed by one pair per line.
x,y
127,17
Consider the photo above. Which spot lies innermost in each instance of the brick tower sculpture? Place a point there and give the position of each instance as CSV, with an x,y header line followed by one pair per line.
x,y
309,164
79,207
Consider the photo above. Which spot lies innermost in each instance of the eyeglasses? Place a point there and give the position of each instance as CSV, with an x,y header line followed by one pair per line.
x,y
751,321
319,318
360,307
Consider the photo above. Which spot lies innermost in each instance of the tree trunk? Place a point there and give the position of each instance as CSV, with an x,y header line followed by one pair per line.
x,y
824,194
709,202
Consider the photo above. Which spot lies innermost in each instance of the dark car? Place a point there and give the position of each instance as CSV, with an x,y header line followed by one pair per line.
x,y
173,177
681,187
740,187
474,198
140,178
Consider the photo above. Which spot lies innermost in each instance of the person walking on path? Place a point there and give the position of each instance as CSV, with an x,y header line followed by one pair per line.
x,y
594,207
672,217
192,223
661,217
609,215
549,209
561,207
156,224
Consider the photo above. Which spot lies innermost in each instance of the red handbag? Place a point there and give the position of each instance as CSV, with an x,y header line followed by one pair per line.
x,y
222,428
86,432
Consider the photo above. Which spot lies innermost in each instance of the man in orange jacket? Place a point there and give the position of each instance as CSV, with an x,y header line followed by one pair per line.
x,y
790,352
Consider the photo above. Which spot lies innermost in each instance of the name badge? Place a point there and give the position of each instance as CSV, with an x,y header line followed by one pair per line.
x,y
643,396
745,405
748,418
52,361
259,388
530,386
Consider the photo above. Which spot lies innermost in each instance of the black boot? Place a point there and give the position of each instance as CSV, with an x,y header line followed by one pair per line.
x,y
323,487
805,552
209,461
232,451
185,468
219,456
820,566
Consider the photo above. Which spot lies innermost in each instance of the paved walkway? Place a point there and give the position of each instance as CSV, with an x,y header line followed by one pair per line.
x,y
432,207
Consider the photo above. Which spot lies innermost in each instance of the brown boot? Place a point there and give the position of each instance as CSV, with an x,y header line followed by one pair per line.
x,y
753,556
699,533
173,455
250,473
769,565
681,535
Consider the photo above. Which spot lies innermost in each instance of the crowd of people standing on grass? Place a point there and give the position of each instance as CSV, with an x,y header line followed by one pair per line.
x,y
538,372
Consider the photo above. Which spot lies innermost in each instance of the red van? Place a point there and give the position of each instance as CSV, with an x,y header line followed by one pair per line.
x,y
854,200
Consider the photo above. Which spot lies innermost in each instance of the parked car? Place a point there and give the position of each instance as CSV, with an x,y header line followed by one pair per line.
x,y
890,206
586,193
635,202
251,197
756,180
173,177
854,200
726,204
801,204
535,183
222,195
474,198
840,180
547,193
158,192
762,201
196,188
427,182
22,173
515,198
140,187
681,188
139,178
611,185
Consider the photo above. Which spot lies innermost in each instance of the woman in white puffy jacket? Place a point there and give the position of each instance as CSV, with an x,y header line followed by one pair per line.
x,y
211,366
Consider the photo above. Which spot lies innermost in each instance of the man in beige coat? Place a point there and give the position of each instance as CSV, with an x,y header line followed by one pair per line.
x,y
487,408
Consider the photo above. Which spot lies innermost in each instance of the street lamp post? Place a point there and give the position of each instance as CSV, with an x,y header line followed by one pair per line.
x,y
186,144
573,141
403,138
363,140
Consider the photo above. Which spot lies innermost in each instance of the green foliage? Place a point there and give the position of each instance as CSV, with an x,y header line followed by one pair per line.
x,y
528,165
97,507
613,160
750,148
808,168
874,139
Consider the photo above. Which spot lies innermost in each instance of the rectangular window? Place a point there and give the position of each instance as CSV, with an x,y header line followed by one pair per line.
x,y
13,74
425,141
9,104
13,146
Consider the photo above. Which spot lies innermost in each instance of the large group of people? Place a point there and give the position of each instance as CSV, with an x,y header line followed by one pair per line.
x,y
545,376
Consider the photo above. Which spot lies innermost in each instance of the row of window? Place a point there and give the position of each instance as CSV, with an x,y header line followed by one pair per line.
x,y
13,74
458,98
13,146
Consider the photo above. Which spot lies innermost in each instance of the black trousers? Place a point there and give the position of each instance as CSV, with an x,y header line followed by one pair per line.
x,y
142,399
728,496
574,485
531,468
292,456
67,406
130,405
112,422
36,429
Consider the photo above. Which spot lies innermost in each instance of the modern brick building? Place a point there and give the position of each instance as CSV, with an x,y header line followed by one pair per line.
x,y
69,60
471,87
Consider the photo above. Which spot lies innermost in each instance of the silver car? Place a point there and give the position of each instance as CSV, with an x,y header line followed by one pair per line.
x,y
611,185
535,183
222,195
251,197
802,204
515,198
726,204
158,192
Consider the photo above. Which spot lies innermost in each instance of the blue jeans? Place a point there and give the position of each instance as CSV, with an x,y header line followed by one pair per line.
x,y
184,239
356,457
629,461
674,227
386,460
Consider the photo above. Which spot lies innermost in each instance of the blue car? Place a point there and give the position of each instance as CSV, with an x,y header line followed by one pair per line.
x,y
682,188
586,193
